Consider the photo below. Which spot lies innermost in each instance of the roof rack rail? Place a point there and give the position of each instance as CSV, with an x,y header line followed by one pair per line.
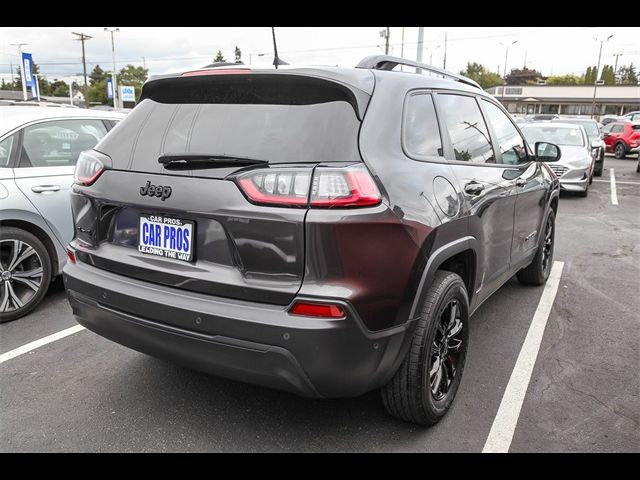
x,y
387,62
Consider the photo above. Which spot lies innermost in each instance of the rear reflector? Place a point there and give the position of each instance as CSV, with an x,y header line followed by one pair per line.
x,y
222,71
72,255
323,310
295,187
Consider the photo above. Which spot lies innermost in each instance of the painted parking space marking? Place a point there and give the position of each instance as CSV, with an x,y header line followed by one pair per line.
x,y
614,192
618,182
16,352
504,425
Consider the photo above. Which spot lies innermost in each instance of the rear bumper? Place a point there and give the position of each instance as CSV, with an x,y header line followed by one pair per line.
x,y
246,341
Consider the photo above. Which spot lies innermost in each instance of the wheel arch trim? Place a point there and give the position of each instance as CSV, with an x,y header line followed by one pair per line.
x,y
437,258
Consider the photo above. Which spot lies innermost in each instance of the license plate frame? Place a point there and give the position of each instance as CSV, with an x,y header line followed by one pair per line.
x,y
162,246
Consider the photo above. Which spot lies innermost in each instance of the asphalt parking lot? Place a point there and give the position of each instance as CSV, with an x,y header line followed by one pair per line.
x,y
85,393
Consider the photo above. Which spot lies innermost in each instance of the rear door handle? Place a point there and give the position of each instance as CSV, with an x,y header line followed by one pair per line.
x,y
45,188
473,188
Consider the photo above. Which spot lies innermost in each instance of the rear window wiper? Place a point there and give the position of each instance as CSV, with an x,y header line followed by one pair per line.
x,y
191,161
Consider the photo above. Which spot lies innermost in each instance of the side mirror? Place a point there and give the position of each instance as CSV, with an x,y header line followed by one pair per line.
x,y
547,152
595,144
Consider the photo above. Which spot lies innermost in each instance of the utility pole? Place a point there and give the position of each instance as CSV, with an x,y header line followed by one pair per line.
x,y
144,63
595,84
82,37
113,55
525,59
402,48
506,57
444,62
420,47
11,67
615,69
24,85
386,47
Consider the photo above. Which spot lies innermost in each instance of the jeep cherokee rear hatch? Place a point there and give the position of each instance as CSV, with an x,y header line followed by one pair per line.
x,y
205,185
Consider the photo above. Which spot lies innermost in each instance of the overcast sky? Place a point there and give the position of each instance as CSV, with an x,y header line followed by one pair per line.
x,y
552,50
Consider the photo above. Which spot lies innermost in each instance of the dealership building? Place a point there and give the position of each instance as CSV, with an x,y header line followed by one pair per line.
x,y
568,100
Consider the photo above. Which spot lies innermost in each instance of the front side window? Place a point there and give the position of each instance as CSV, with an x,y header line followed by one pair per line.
x,y
617,128
467,130
421,135
509,141
58,143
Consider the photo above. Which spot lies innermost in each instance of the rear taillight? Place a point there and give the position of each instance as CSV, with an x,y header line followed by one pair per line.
x,y
325,188
90,166
71,255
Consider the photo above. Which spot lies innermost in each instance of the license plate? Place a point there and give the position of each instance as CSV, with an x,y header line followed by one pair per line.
x,y
166,237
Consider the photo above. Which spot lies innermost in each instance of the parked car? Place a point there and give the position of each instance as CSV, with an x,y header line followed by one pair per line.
x,y
540,117
576,167
632,116
595,140
296,228
39,148
621,138
607,119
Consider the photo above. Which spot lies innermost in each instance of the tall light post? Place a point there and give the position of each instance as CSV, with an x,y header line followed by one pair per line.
x,y
24,85
595,84
115,81
506,57
431,53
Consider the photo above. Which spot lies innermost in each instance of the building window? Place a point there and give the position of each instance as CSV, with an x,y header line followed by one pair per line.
x,y
630,108
612,109
512,107
573,109
549,108
531,108
513,90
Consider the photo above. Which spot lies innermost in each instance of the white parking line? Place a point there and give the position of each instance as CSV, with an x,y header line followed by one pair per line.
x,y
504,425
39,343
614,192
618,182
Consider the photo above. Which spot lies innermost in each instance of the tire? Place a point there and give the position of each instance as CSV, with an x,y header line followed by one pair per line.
x,y
638,167
538,270
619,151
20,297
599,168
409,395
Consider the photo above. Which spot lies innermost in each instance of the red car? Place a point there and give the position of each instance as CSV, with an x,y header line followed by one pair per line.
x,y
621,138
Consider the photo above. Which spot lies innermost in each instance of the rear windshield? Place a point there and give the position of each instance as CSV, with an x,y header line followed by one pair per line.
x,y
321,129
590,127
558,135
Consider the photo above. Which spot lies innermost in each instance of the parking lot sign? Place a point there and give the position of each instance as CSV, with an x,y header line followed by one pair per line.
x,y
27,63
127,94
109,88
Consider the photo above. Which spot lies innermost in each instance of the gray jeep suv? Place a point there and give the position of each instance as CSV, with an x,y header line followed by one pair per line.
x,y
326,231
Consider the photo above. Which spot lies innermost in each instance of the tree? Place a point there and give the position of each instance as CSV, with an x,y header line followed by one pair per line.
x,y
628,75
133,77
482,75
238,54
219,57
564,80
97,75
590,76
608,75
523,76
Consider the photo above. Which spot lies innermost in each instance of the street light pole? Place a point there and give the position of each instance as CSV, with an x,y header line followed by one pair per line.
x,y
82,38
24,85
506,57
116,97
595,84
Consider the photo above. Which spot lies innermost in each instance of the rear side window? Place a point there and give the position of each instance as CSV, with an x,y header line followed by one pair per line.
x,y
420,133
58,143
617,128
468,132
6,146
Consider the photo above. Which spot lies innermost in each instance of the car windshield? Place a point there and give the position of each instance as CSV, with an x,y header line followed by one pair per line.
x,y
569,136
